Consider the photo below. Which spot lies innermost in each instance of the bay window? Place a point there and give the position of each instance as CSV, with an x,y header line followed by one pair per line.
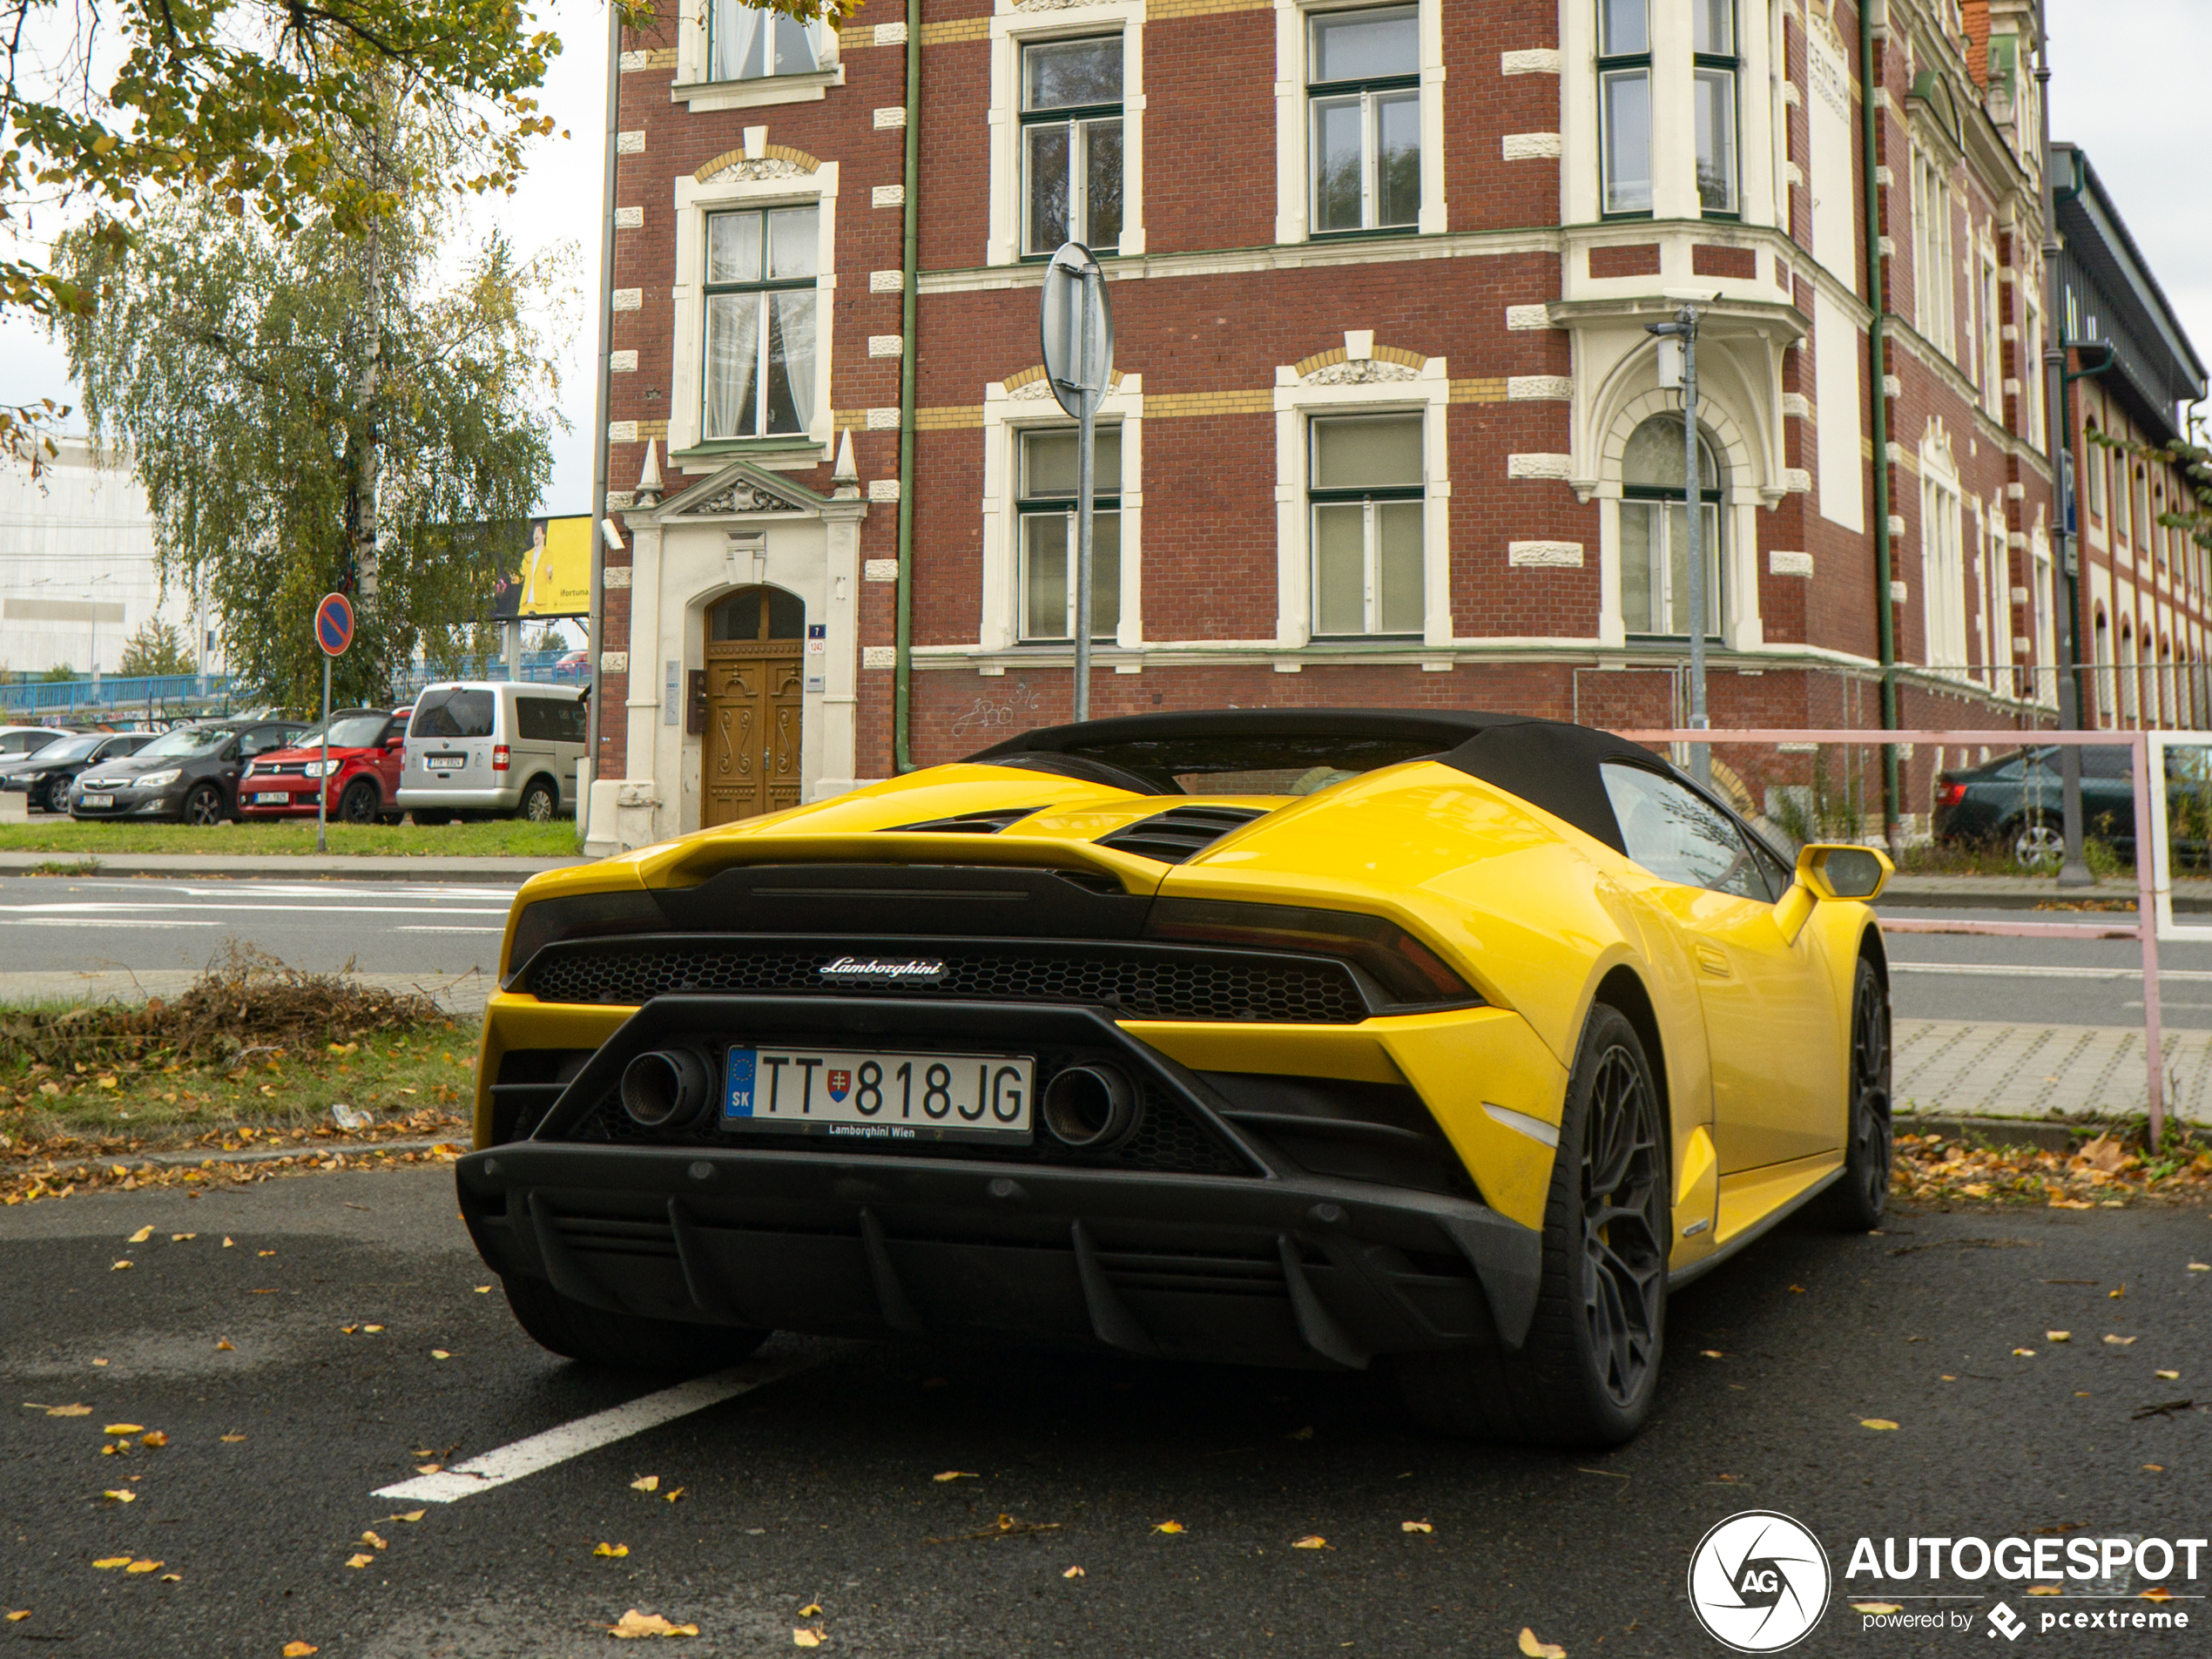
x,y
1713,108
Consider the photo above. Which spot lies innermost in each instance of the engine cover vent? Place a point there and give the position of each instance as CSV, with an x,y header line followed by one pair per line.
x,y
1181,834
988,823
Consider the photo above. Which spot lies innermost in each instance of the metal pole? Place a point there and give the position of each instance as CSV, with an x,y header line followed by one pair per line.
x,y
322,792
593,645
1085,429
2147,929
1701,755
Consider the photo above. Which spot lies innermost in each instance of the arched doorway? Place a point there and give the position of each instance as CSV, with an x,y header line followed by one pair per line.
x,y
1654,531
749,755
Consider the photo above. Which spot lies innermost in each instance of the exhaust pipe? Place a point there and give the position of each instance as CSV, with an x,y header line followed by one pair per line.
x,y
666,1088
1091,1108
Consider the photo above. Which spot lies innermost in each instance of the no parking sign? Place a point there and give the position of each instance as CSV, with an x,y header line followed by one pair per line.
x,y
335,625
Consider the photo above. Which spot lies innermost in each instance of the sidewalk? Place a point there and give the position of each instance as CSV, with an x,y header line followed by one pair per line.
x,y
2192,893
1987,1068
283,866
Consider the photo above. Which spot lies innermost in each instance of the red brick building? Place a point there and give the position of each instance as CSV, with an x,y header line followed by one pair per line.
x,y
1388,427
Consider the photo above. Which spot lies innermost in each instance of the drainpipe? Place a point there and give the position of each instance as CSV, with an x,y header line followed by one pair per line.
x,y
594,624
1878,354
2073,869
910,265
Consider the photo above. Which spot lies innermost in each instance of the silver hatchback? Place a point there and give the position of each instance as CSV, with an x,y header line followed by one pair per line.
x,y
492,747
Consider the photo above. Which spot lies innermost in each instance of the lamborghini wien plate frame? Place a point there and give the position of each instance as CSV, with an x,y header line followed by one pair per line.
x,y
870,1095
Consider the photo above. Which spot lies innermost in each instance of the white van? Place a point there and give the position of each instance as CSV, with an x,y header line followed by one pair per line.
x,y
504,747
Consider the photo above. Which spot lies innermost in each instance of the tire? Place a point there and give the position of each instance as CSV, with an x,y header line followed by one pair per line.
x,y
540,802
359,804
204,805
2037,844
1856,1202
430,816
1586,1375
624,1341
52,796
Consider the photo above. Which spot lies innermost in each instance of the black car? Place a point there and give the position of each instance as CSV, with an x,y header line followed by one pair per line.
x,y
45,774
191,772
2015,801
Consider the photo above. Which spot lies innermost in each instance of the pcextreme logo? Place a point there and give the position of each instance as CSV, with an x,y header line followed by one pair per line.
x,y
1759,1581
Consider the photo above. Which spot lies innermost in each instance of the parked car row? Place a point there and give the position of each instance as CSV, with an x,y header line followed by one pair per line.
x,y
2015,801
466,749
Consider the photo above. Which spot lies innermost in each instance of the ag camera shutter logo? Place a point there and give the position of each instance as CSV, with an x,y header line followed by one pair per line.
x,y
1759,1581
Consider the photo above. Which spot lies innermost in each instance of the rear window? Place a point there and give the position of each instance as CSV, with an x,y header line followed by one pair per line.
x,y
549,719
1234,765
454,711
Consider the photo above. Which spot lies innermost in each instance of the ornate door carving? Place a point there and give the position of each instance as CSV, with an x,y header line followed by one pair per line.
x,y
749,756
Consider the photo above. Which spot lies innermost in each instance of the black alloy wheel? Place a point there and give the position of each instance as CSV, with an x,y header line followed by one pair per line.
x,y
1587,1372
1855,1203
360,802
204,805
539,802
49,794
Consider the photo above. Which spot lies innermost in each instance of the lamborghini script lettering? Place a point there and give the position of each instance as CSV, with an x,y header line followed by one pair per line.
x,y
876,970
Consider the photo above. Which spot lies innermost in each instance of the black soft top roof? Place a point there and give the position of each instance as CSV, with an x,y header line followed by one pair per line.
x,y
1550,764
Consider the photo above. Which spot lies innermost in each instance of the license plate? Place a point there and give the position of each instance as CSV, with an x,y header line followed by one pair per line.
x,y
96,800
879,1096
445,763
272,798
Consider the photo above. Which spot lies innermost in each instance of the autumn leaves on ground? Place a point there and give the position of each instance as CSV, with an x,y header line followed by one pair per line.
x,y
253,1057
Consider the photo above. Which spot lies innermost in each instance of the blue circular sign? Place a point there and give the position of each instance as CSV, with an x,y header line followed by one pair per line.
x,y
335,625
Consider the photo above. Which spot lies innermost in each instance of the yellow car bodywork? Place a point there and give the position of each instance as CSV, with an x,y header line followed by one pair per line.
x,y
1749,1004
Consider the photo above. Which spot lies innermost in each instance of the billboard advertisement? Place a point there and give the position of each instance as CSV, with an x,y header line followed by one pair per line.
x,y
555,579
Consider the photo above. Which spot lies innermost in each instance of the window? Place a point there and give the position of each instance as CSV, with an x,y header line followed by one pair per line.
x,y
1654,531
753,614
1680,837
1934,297
1364,96
1365,495
1943,576
747,42
1713,40
2094,459
1624,105
1047,511
2030,374
1992,347
549,719
2141,508
1071,144
759,374
453,713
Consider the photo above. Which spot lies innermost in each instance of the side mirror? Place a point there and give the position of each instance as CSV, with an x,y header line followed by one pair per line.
x,y
1830,871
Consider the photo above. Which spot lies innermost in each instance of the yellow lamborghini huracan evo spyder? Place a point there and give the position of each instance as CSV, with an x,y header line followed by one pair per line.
x,y
1446,1043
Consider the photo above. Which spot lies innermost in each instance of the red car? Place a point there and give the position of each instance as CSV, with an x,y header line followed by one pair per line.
x,y
364,781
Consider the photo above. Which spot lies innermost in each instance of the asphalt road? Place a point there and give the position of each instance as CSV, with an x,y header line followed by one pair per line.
x,y
50,923
818,1487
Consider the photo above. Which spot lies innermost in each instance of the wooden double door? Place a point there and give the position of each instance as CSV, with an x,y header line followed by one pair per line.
x,y
750,749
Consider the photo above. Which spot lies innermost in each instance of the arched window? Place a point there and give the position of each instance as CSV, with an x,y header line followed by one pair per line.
x,y
757,613
2130,676
2092,463
2102,679
1655,531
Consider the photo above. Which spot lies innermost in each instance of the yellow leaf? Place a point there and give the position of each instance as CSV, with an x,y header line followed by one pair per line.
x,y
118,1267
143,1566
2121,1342
224,1345
673,1496
1415,1526
361,1559
2157,1593
179,1238
2058,1336
139,1236
106,1562
265,1252
1073,1572
232,1439
121,1497
298,1649
372,1328
1169,1527
634,1623
227,1243
1712,1354
803,1638
2170,1376
645,1483
124,1428
2113,1296
956,1474
69,1411
440,1353
612,1551
428,1468
1535,1649
155,1439
483,1290
2155,1468
2026,1352
371,1538
1312,1540
2201,1267
18,1617
1883,1607
412,1514
2045,1589
172,1578
812,1610
1876,1422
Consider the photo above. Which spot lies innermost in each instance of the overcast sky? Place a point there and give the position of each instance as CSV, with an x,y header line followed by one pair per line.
x,y
2141,114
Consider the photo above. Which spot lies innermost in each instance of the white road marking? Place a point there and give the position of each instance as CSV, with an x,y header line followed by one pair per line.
x,y
102,921
102,907
2025,970
424,928
589,1433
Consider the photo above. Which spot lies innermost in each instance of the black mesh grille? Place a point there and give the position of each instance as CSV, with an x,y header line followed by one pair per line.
x,y
1169,1140
1138,981
1181,834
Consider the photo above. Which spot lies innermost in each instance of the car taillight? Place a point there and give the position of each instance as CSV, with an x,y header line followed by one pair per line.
x,y
1949,793
499,756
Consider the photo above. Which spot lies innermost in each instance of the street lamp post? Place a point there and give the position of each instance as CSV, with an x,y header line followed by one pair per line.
x,y
1684,329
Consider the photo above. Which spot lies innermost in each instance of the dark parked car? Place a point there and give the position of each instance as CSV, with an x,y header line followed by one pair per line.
x,y
45,774
191,772
2015,801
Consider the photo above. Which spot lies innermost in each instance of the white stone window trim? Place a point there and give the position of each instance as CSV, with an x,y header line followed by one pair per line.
x,y
694,202
692,89
1428,393
1293,185
1946,615
1742,625
1011,29
1006,417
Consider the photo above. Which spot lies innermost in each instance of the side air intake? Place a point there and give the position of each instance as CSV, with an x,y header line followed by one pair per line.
x,y
1179,834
